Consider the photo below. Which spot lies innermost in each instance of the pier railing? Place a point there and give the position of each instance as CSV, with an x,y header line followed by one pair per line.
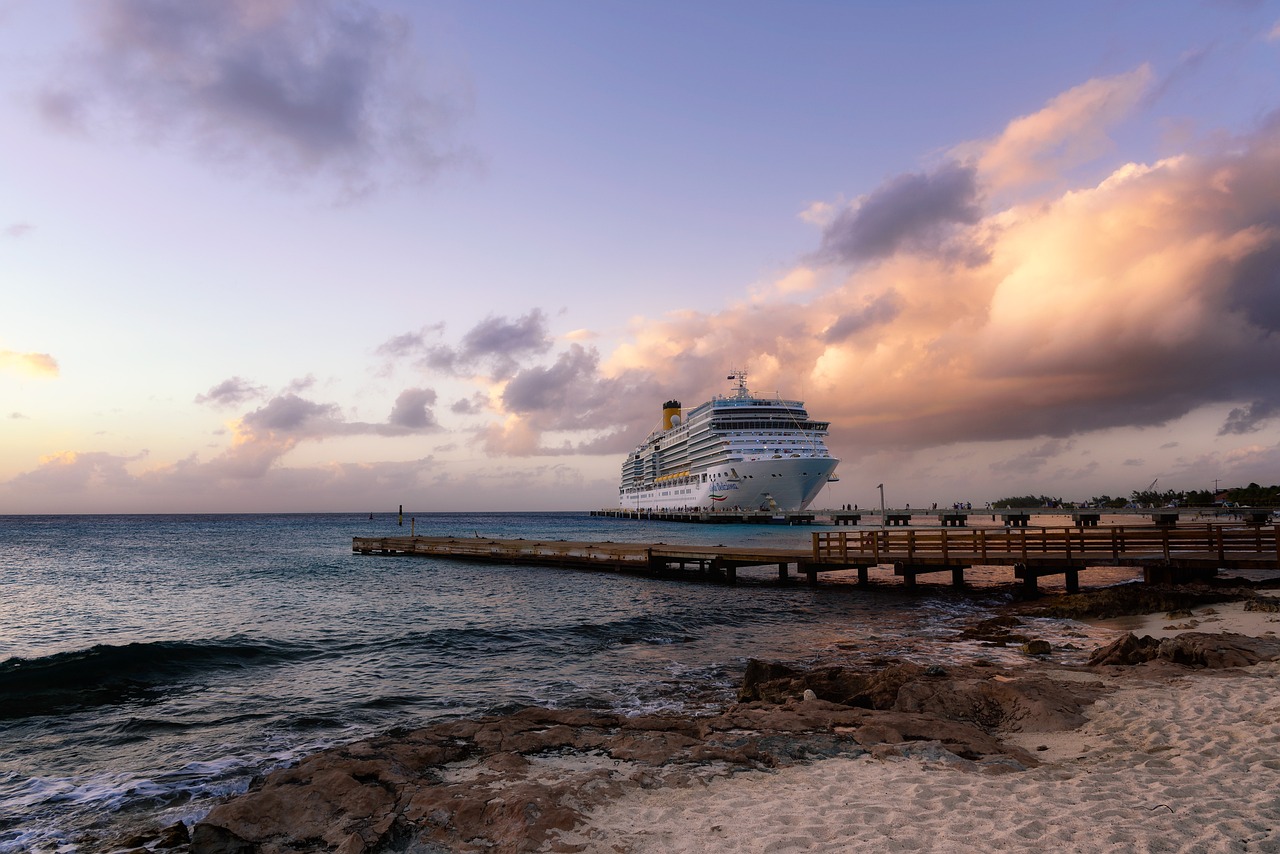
x,y
1235,545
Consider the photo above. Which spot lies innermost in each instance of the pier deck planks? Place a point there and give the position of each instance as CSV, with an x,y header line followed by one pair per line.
x,y
1164,553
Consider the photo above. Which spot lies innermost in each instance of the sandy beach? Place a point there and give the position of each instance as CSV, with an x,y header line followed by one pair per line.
x,y
1179,752
1173,759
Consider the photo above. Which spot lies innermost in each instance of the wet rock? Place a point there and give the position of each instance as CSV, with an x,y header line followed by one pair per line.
x,y
875,689
1127,649
1191,649
174,836
509,783
1263,603
996,631
1037,647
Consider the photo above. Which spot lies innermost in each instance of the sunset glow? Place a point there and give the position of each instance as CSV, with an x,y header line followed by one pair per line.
x,y
343,256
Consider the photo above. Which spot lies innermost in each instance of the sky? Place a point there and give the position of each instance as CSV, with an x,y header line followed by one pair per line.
x,y
304,256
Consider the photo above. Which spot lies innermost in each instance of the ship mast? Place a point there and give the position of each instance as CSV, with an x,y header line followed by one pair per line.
x,y
740,389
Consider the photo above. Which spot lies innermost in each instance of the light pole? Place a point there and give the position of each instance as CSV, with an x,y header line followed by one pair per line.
x,y
881,488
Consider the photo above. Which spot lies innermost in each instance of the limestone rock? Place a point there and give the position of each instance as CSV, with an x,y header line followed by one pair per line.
x,y
1127,649
1199,649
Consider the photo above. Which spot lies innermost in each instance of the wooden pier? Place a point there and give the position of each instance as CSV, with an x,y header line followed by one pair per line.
x,y
1164,553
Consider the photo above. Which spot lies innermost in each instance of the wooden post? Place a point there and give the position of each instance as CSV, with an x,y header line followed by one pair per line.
x,y
957,576
863,576
908,574
1030,583
782,572
1073,581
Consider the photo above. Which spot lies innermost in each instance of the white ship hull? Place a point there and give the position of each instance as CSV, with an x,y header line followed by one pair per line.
x,y
789,484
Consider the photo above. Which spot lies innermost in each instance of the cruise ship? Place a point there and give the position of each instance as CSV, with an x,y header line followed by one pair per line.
x,y
736,451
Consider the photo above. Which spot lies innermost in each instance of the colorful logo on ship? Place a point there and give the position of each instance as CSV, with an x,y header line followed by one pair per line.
x,y
715,496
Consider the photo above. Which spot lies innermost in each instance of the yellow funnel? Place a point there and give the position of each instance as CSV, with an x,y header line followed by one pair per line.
x,y
670,414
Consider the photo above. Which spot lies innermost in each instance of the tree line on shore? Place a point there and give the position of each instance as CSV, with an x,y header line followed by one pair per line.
x,y
1252,495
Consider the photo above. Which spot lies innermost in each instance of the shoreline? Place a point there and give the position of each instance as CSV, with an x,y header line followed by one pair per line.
x,y
813,774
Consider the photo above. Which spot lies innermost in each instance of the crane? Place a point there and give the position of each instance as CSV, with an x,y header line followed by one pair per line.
x,y
1152,486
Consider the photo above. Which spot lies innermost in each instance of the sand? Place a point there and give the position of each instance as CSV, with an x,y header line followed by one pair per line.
x,y
1174,760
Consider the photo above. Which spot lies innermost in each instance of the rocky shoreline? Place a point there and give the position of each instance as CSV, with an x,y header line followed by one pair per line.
x,y
521,782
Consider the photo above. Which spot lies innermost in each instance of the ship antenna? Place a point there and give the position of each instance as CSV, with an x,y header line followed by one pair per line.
x,y
740,376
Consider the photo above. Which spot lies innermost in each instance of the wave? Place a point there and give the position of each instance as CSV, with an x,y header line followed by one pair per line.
x,y
555,640
106,674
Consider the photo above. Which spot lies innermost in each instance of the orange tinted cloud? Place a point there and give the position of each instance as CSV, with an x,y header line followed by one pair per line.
x,y
29,364
1128,302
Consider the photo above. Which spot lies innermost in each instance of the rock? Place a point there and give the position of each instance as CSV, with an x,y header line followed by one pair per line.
x,y
1266,604
508,783
1191,649
1127,649
173,836
1037,647
869,690
1199,649
1027,704
996,631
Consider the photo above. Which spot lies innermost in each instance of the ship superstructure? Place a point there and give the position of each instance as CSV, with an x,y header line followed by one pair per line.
x,y
735,451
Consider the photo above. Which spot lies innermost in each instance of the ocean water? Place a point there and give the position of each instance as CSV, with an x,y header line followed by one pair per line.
x,y
152,664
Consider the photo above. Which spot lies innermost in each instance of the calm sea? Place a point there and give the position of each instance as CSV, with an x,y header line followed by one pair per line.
x,y
151,664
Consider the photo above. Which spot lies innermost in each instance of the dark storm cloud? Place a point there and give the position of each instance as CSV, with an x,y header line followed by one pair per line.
x,y
910,211
231,392
303,86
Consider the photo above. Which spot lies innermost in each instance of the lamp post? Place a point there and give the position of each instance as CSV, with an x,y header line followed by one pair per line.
x,y
881,488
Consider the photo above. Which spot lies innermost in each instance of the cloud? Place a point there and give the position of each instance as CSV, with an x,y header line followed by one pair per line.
x,y
39,365
1032,460
1251,418
594,413
495,344
19,229
915,211
231,392
1070,130
411,410
301,87
473,405
71,473
874,312
1128,301
262,437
